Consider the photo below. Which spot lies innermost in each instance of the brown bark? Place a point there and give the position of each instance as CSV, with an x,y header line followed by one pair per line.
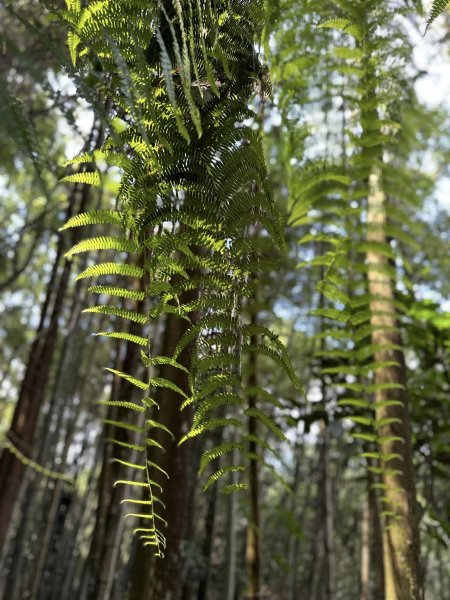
x,y
34,383
403,579
329,517
231,540
208,544
109,508
372,570
161,579
253,546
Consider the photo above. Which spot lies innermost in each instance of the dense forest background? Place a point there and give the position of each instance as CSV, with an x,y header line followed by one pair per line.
x,y
263,240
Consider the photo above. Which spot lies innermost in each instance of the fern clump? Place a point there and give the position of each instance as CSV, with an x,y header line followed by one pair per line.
x,y
179,77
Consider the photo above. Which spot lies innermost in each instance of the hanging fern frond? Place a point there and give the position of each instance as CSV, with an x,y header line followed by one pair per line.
x,y
87,177
193,185
437,9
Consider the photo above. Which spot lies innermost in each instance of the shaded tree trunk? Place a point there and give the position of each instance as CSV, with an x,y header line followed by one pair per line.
x,y
34,384
330,558
253,545
403,580
109,517
208,543
231,542
161,579
372,571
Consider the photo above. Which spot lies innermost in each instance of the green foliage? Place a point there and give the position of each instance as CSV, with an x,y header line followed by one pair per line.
x,y
193,186
355,80
437,8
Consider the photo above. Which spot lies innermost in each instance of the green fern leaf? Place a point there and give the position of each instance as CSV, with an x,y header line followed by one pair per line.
x,y
151,423
136,382
267,421
211,424
103,243
437,8
87,177
221,472
122,404
120,292
128,337
95,217
112,269
123,313
234,487
217,452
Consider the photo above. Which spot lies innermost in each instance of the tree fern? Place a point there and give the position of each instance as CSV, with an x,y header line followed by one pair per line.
x,y
194,182
366,134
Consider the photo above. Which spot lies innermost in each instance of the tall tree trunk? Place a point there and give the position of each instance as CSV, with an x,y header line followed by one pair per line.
x,y
330,558
161,579
208,543
231,541
34,384
293,538
253,545
372,569
403,580
109,518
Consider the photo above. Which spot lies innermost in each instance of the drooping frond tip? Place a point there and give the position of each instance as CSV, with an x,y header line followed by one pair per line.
x,y
437,8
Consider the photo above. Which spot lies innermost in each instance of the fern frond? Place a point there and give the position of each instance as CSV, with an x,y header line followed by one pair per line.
x,y
128,337
136,382
122,404
103,243
123,313
112,269
437,8
221,472
267,421
95,217
120,292
87,177
211,424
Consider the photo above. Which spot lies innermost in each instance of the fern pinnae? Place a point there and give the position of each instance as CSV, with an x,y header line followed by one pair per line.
x,y
194,181
123,313
111,268
120,292
86,177
437,8
97,217
221,472
128,337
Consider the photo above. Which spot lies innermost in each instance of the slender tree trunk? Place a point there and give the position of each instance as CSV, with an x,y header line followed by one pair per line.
x,y
403,580
372,570
108,524
365,552
161,579
208,543
330,558
231,542
253,546
34,383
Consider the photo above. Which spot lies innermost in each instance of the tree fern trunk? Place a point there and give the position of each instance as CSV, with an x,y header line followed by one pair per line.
x,y
401,536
